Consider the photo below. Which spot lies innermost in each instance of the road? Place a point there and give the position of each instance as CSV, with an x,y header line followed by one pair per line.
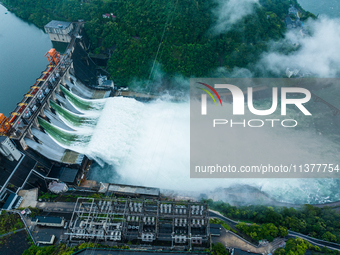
x,y
314,241
214,214
15,231
291,234
56,206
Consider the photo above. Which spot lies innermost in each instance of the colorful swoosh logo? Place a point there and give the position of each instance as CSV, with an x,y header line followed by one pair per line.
x,y
209,93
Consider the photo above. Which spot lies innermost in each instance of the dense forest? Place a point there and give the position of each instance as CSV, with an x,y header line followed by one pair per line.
x,y
177,34
322,223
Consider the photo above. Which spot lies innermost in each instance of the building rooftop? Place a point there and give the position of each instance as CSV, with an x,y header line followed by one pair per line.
x,y
54,220
217,226
215,229
64,174
21,168
46,238
107,83
288,20
134,189
68,175
10,201
58,24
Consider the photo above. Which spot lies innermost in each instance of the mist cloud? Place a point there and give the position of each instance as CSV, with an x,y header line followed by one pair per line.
x,y
229,12
317,54
236,72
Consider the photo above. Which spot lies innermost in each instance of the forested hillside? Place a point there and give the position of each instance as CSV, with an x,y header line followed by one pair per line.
x,y
188,45
322,223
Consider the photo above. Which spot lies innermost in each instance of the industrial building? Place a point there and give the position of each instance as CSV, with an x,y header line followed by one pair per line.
x,y
215,229
174,223
12,202
14,167
129,190
59,31
48,240
30,170
49,221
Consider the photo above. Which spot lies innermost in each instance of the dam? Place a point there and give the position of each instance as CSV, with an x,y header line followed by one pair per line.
x,y
43,105
30,148
42,140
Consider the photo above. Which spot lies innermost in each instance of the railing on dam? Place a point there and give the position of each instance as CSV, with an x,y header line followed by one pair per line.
x,y
38,98
34,101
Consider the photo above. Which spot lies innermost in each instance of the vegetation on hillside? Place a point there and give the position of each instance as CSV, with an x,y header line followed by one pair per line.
x,y
9,222
296,246
219,249
222,223
267,231
322,223
299,246
177,34
62,249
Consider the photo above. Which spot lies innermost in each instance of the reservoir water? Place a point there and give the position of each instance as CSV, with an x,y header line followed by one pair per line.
x,y
331,8
22,50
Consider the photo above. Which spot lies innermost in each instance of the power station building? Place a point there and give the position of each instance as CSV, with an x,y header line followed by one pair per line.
x,y
148,221
59,31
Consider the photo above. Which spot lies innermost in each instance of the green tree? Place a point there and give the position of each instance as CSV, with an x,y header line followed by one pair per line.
x,y
328,236
280,251
219,249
